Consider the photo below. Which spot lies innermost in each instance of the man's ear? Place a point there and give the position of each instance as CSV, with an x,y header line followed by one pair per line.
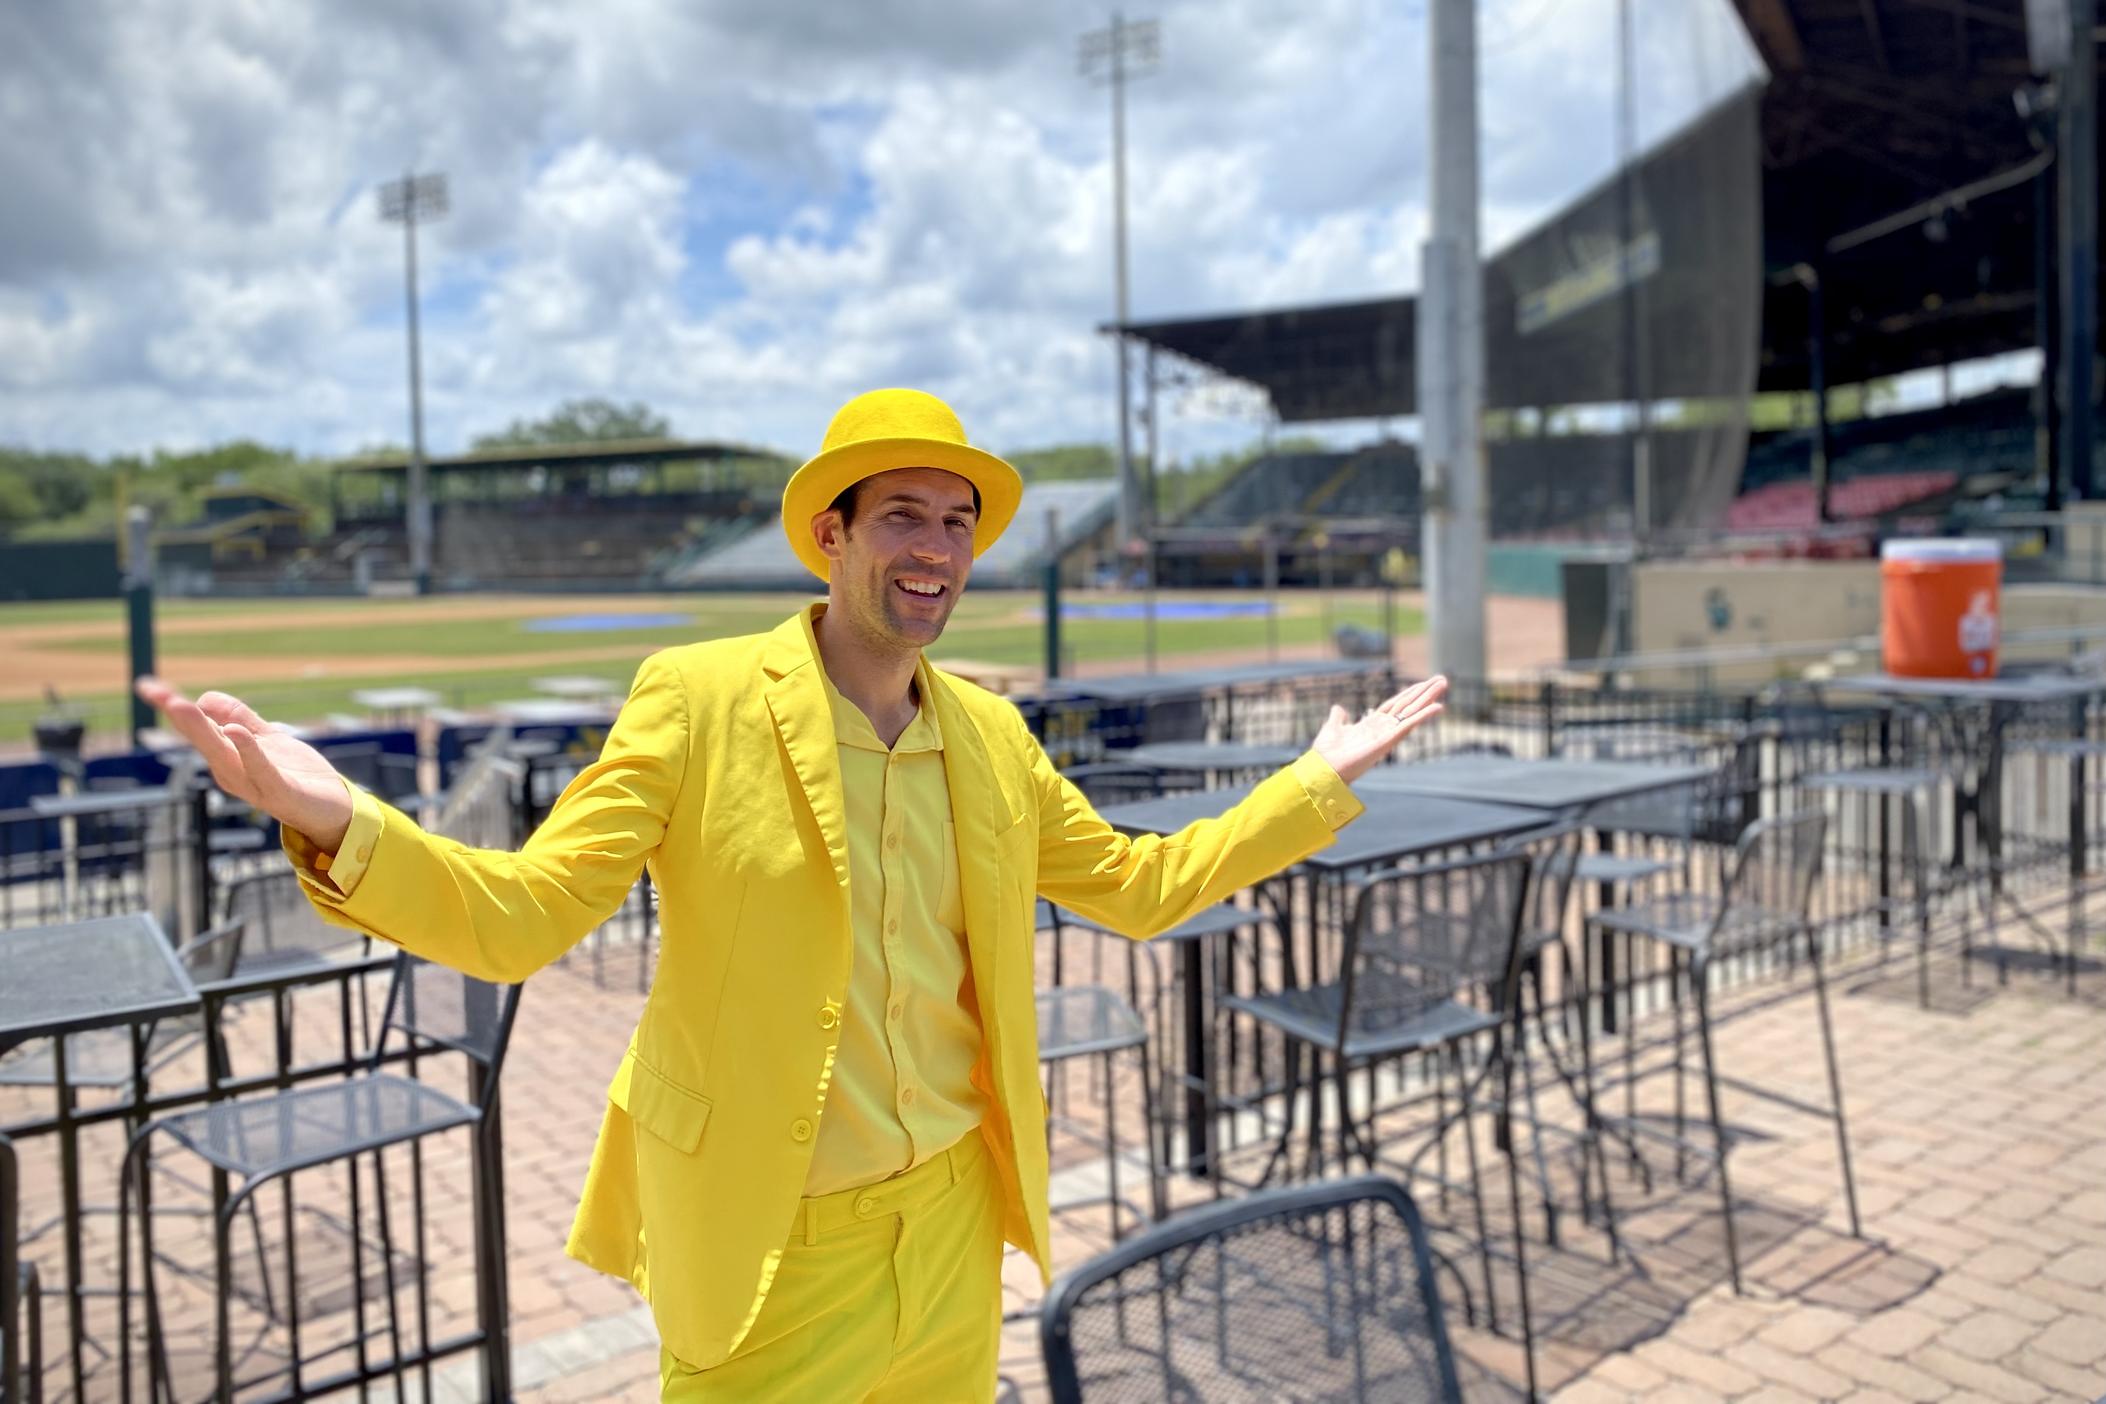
x,y
827,529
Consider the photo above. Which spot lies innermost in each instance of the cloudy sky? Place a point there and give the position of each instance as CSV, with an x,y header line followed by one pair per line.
x,y
738,211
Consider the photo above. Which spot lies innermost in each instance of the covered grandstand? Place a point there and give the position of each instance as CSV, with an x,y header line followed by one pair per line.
x,y
567,517
1883,214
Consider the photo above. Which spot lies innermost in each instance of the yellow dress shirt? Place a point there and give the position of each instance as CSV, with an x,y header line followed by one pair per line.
x,y
902,1087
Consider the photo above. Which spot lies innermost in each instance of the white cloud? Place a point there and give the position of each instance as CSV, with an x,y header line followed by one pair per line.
x,y
741,212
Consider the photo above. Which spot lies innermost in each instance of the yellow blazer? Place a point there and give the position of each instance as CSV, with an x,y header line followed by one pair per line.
x,y
721,776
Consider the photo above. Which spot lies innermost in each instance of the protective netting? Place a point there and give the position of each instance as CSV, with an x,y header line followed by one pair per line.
x,y
1645,291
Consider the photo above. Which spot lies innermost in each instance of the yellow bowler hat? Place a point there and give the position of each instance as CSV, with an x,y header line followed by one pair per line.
x,y
887,429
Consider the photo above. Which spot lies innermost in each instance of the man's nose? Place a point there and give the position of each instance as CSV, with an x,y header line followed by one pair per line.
x,y
931,546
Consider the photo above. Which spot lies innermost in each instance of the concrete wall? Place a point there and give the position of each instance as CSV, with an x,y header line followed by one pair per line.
x,y
1681,606
2084,541
2053,607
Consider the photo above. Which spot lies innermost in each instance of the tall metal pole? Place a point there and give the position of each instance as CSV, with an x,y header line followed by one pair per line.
x,y
1817,382
1635,350
1451,357
409,201
1051,585
419,487
2047,429
139,606
1126,50
2077,155
1129,493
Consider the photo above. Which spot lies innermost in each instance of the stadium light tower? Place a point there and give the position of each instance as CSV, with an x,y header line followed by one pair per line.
x,y
1114,55
412,200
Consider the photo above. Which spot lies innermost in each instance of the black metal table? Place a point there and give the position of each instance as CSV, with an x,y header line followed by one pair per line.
x,y
114,972
1395,827
1557,785
91,803
1978,784
1554,784
1210,758
1204,699
1145,687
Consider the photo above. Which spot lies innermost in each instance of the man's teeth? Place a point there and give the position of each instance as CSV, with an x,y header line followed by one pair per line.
x,y
915,589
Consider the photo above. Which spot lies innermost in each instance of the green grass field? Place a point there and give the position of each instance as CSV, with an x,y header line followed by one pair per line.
x,y
300,660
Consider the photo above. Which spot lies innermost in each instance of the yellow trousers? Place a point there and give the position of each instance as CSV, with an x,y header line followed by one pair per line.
x,y
889,1294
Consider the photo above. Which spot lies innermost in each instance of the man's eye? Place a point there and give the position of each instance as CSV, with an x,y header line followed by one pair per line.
x,y
959,522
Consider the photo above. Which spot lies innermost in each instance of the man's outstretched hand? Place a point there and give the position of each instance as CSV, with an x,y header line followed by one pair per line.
x,y
260,763
1353,747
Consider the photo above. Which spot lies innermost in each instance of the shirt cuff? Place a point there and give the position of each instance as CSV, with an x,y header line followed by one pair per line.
x,y
1334,798
342,869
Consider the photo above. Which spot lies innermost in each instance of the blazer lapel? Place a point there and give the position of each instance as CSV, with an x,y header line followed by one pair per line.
x,y
976,811
797,700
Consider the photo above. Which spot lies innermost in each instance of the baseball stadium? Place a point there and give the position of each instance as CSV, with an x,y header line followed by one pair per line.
x,y
1705,1006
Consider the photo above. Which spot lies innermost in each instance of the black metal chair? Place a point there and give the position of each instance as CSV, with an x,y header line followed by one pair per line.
x,y
282,930
1649,844
389,775
1208,943
1322,1291
262,1139
2065,742
21,1297
1900,788
1090,1021
283,934
1431,964
1763,907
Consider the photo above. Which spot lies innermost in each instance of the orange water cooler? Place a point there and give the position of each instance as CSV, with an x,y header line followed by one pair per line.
x,y
1940,607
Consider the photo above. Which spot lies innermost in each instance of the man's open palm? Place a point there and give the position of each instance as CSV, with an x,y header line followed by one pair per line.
x,y
1353,747
256,761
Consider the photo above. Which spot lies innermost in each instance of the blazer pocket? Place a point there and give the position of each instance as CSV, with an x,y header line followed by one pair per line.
x,y
1016,837
659,1105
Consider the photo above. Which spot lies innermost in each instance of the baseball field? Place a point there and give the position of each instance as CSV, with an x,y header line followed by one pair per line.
x,y
301,660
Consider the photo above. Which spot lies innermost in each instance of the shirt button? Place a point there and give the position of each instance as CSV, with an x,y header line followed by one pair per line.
x,y
828,1018
800,1130
892,927
906,1096
865,1207
365,853
892,841
898,1012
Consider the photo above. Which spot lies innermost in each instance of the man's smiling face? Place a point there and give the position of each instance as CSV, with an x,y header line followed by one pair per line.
x,y
900,558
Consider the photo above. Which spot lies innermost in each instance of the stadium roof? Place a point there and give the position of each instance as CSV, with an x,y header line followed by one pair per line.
x,y
592,455
1894,156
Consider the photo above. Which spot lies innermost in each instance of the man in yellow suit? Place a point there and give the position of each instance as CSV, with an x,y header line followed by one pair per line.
x,y
828,1120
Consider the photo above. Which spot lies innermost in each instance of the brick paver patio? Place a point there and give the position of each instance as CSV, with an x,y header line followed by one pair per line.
x,y
1980,1137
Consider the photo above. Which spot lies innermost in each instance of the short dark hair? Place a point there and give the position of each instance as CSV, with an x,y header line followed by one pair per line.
x,y
845,504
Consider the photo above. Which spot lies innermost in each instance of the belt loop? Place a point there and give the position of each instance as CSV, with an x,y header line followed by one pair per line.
x,y
811,1223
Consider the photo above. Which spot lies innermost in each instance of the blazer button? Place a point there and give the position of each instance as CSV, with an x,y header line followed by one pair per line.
x,y
828,1018
865,1207
800,1130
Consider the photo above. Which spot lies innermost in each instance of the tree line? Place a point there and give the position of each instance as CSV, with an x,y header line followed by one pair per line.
x,y
58,495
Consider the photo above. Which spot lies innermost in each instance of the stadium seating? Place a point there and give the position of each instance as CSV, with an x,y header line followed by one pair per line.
x,y
1578,486
582,540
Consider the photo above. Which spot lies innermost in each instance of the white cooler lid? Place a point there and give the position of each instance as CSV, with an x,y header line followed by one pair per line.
x,y
1965,548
